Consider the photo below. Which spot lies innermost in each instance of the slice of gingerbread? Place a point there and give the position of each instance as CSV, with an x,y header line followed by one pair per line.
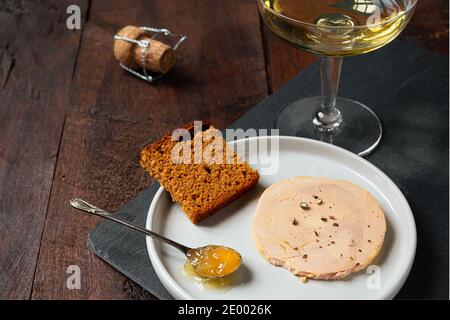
x,y
202,174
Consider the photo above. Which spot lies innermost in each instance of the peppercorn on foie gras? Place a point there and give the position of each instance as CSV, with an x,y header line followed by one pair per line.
x,y
318,228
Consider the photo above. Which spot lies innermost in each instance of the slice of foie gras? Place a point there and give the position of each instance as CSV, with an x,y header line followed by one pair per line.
x,y
318,228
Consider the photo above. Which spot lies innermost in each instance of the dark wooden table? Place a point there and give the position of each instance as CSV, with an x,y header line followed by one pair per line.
x,y
72,122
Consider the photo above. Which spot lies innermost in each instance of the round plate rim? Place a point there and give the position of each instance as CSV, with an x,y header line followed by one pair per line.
x,y
178,293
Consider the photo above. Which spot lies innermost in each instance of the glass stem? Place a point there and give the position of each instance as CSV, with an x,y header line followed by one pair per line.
x,y
328,117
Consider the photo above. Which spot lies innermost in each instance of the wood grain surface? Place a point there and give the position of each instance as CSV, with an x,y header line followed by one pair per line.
x,y
38,57
72,121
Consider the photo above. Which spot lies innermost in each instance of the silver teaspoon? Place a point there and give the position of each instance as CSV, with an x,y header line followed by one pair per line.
x,y
210,261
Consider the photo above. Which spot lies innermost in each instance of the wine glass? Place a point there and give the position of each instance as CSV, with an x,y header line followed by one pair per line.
x,y
334,29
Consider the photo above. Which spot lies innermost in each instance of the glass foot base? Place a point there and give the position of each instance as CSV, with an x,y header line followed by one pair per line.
x,y
359,132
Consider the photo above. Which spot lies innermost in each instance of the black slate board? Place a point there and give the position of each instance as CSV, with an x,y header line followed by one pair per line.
x,y
408,89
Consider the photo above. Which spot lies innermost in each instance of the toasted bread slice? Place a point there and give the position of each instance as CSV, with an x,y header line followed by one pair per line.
x,y
203,179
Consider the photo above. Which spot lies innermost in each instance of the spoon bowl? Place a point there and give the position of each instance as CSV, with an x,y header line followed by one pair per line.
x,y
213,261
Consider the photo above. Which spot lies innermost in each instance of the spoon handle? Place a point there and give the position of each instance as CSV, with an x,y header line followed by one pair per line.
x,y
87,207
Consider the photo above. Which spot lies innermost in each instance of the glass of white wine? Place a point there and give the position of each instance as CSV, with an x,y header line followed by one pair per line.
x,y
334,29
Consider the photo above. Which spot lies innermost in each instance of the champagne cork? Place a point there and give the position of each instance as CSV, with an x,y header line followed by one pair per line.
x,y
160,57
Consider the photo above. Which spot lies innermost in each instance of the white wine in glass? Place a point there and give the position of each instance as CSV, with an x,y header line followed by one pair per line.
x,y
335,29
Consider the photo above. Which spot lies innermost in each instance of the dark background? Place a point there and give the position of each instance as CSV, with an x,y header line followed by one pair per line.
x,y
71,121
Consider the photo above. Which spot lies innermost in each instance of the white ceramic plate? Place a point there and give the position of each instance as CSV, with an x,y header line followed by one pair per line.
x,y
232,227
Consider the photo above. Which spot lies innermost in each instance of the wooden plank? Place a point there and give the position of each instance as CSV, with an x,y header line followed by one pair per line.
x,y
220,75
37,56
98,162
428,28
